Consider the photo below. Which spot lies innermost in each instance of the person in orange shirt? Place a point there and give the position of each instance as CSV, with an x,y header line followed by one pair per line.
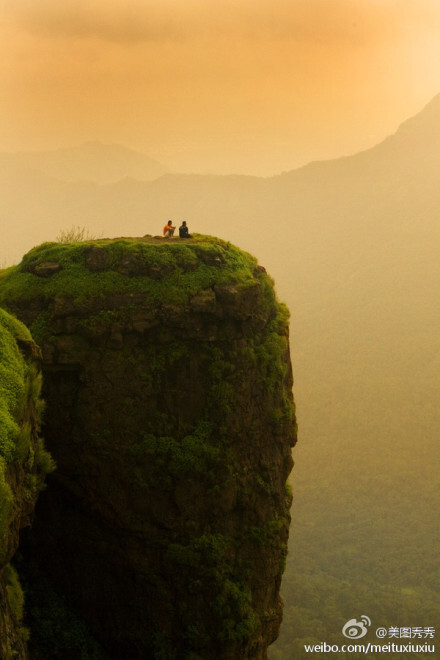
x,y
168,230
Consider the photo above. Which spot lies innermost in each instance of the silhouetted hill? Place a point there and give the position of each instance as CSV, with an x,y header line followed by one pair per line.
x,y
92,161
323,203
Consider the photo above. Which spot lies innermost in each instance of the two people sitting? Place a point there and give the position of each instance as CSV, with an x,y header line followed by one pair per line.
x,y
168,230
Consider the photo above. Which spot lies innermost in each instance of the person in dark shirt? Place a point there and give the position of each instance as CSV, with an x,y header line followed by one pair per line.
x,y
183,230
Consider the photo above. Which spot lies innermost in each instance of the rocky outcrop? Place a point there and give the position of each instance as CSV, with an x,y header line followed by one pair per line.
x,y
170,415
23,465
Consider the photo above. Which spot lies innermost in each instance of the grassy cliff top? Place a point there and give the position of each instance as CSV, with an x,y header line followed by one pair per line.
x,y
167,270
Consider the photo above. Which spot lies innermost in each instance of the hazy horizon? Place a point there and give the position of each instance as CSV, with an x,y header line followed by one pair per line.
x,y
237,87
104,145
261,87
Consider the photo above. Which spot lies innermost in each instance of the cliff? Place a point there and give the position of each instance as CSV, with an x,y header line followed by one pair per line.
x,y
170,415
23,464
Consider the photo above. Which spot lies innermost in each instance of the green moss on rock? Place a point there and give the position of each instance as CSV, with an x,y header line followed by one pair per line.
x,y
168,387
24,462
165,272
22,453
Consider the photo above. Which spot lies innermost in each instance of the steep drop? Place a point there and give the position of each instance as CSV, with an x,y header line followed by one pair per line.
x,y
170,415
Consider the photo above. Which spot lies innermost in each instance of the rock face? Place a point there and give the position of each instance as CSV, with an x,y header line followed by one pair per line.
x,y
170,416
23,464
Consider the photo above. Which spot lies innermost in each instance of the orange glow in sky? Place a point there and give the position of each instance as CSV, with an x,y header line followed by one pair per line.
x,y
254,86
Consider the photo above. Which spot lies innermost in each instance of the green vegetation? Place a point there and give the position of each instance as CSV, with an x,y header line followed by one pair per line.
x,y
23,459
192,456
14,592
20,415
205,562
6,504
210,557
268,534
184,462
364,539
13,374
167,272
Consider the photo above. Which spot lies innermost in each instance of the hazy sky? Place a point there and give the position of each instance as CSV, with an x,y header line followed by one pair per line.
x,y
215,85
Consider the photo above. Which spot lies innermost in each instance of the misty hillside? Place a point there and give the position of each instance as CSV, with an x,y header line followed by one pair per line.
x,y
353,246
92,161
329,203
355,235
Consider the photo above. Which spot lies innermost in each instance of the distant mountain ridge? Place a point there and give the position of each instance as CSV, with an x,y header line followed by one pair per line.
x,y
319,203
92,161
353,246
